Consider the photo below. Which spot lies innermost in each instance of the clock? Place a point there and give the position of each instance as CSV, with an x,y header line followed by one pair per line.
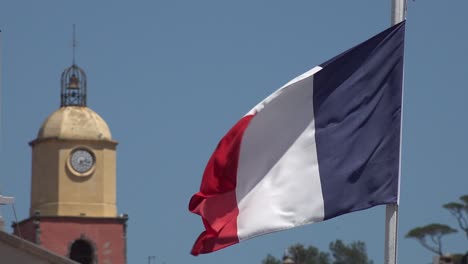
x,y
82,160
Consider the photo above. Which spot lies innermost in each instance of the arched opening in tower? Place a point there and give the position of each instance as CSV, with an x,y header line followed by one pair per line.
x,y
81,251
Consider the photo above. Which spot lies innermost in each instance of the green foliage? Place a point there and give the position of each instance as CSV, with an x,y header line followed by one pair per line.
x,y
454,206
309,255
430,236
460,212
464,198
431,230
353,253
270,260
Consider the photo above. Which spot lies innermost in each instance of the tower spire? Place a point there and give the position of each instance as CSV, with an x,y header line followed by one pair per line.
x,y
73,82
74,43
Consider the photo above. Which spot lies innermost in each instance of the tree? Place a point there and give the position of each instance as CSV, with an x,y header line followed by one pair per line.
x,y
434,232
307,255
269,259
460,211
354,253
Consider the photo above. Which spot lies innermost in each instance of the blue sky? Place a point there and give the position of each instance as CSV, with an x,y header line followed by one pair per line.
x,y
171,77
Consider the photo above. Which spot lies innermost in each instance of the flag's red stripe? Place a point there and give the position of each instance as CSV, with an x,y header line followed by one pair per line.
x,y
216,201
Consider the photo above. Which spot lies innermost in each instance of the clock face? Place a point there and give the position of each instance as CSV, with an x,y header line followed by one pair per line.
x,y
81,160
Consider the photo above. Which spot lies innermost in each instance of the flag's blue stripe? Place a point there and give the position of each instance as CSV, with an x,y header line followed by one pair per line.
x,y
357,108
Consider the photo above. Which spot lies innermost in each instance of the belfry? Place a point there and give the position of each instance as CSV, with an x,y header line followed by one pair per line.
x,y
73,183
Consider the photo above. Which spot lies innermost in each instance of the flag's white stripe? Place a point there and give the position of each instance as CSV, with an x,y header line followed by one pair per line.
x,y
265,101
278,181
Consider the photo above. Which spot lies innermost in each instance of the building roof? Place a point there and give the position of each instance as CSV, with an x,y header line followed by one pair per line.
x,y
16,250
75,122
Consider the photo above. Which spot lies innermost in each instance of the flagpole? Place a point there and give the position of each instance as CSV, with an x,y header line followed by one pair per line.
x,y
391,226
398,11
391,213
1,92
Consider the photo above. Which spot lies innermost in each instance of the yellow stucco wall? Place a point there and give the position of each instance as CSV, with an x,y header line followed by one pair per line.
x,y
57,190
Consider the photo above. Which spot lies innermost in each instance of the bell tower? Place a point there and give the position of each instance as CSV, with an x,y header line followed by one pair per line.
x,y
74,158
73,182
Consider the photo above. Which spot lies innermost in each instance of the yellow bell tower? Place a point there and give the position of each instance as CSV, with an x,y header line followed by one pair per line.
x,y
74,158
73,181
73,185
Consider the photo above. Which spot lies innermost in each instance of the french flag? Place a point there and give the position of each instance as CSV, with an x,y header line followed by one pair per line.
x,y
325,144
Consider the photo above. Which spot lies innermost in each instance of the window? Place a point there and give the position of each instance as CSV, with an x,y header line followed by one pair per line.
x,y
81,251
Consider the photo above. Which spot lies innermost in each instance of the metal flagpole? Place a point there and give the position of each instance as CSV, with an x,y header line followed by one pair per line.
x,y
391,212
1,93
398,11
391,224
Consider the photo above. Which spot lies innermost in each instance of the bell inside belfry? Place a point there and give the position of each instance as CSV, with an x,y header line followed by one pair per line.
x,y
73,87
73,82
